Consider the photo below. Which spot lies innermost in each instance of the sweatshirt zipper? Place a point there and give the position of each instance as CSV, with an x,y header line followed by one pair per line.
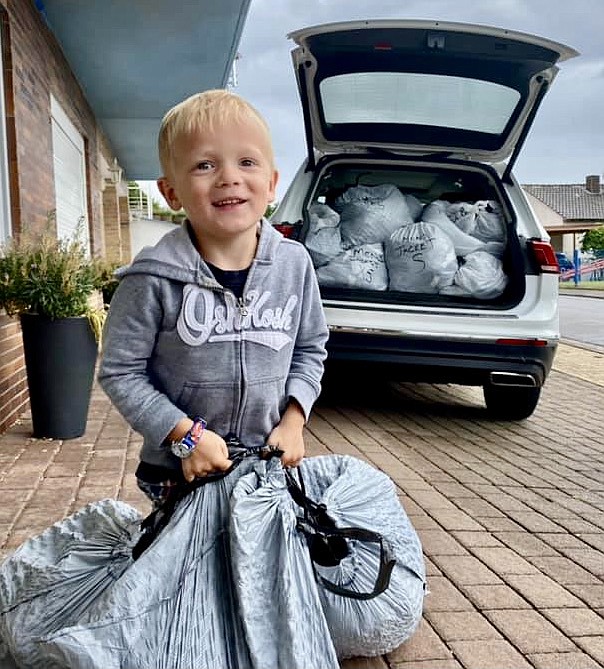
x,y
244,311
242,306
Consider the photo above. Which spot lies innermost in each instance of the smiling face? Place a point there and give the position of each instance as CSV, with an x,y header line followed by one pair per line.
x,y
223,177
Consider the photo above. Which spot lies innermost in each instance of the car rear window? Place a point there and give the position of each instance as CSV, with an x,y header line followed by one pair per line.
x,y
418,99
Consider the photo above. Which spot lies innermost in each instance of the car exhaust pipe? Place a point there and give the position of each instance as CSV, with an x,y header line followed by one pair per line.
x,y
512,379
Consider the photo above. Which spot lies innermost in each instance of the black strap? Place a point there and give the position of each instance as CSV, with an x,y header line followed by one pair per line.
x,y
327,542
157,520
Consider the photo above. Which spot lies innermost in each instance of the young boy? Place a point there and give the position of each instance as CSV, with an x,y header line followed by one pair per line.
x,y
218,329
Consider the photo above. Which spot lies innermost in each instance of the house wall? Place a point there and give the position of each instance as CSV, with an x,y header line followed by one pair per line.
x,y
34,69
550,219
39,70
547,217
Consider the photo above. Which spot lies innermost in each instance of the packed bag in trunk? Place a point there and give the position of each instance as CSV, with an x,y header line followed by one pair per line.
x,y
370,214
359,267
420,258
323,239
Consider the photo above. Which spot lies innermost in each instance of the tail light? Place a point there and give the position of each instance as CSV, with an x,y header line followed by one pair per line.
x,y
522,342
544,256
286,229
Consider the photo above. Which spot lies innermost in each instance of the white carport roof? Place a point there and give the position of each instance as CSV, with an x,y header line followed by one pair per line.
x,y
136,58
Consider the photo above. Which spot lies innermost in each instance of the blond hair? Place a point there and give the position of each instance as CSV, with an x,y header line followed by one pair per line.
x,y
203,112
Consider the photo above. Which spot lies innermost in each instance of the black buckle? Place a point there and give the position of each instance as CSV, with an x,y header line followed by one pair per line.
x,y
328,544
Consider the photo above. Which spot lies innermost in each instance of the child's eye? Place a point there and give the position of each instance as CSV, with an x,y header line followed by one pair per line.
x,y
248,162
204,165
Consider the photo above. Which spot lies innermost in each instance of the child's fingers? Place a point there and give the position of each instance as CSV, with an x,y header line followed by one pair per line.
x,y
291,463
292,457
191,473
221,464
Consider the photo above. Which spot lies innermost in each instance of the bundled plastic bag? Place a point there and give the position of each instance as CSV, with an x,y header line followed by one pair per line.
x,y
481,275
464,243
278,595
356,496
359,267
370,214
75,598
323,239
420,258
483,219
52,579
416,207
173,607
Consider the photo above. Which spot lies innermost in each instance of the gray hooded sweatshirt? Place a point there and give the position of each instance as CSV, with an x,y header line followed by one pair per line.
x,y
176,343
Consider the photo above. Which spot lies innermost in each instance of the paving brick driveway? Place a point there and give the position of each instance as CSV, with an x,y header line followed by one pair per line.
x,y
511,515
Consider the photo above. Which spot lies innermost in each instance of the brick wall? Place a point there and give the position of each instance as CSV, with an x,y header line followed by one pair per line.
x,y
111,218
34,68
124,209
13,382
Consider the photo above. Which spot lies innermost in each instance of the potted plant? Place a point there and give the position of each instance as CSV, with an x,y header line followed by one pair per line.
x,y
48,283
106,281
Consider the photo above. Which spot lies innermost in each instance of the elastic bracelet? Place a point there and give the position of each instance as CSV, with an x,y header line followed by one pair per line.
x,y
194,434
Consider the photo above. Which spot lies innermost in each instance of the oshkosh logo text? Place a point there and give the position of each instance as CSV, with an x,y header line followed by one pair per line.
x,y
201,320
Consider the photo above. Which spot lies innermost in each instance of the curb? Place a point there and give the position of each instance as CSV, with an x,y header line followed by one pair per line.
x,y
577,292
595,348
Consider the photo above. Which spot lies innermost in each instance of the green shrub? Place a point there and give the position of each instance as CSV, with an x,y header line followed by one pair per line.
x,y
106,281
50,277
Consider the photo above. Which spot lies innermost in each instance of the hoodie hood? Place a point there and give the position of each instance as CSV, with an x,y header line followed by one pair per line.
x,y
175,257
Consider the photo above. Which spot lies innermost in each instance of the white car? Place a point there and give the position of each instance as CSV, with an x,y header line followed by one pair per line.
x,y
432,265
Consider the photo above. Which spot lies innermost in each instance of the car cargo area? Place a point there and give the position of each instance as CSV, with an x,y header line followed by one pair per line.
x,y
420,232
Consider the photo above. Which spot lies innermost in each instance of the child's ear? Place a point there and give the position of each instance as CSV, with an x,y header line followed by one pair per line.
x,y
272,187
169,193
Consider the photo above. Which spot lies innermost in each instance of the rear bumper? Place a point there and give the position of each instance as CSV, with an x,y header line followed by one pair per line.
x,y
466,362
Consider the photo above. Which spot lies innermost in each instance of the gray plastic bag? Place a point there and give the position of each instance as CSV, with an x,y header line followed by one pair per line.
x,y
420,258
357,495
370,214
51,580
227,584
174,607
480,275
464,243
280,604
359,267
323,239
482,219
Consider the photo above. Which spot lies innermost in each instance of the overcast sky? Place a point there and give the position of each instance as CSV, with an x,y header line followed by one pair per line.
x,y
567,139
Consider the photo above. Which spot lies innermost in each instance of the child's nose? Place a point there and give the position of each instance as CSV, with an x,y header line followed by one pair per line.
x,y
228,174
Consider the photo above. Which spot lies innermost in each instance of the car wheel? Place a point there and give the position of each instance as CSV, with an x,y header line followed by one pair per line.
x,y
510,402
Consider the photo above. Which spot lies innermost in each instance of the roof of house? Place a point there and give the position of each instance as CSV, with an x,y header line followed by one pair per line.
x,y
571,201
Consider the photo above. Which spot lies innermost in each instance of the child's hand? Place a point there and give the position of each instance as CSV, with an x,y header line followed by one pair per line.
x,y
287,435
211,455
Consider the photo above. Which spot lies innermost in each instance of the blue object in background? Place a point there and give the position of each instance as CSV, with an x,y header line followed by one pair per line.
x,y
577,260
564,262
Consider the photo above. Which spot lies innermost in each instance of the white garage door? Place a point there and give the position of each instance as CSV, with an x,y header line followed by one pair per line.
x,y
70,176
5,226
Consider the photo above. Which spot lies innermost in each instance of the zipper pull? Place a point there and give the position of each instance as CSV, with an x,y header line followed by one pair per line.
x,y
242,306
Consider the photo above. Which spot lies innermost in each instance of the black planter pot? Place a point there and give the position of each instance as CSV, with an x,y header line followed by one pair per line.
x,y
60,358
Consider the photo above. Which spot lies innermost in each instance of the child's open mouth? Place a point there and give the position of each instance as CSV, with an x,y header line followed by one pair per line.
x,y
228,202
